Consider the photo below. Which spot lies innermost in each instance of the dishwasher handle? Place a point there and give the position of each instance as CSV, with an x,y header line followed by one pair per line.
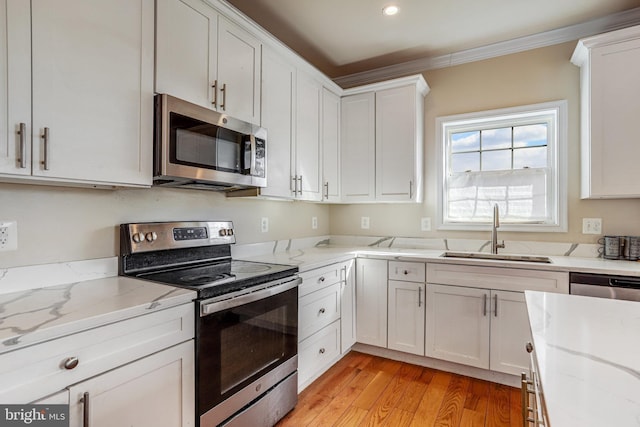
x,y
624,283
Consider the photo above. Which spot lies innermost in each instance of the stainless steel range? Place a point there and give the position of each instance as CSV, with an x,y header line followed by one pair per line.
x,y
246,322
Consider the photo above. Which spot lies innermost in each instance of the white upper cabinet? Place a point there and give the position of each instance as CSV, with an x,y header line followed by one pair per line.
x,y
610,102
278,80
92,91
15,87
206,59
83,97
308,151
357,147
330,146
399,142
382,141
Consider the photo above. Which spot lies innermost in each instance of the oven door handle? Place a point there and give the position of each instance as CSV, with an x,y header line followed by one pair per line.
x,y
246,296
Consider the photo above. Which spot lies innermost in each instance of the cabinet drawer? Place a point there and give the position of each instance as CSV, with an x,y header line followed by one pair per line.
x,y
317,353
407,271
35,371
318,309
504,279
319,278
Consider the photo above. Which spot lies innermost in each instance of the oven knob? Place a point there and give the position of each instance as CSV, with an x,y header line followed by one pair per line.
x,y
138,237
222,232
230,232
151,236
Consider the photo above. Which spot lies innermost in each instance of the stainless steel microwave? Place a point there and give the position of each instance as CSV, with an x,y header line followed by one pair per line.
x,y
196,147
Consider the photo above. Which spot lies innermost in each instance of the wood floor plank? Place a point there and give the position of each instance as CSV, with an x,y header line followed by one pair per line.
x,y
351,417
427,411
399,418
373,390
498,411
452,405
370,391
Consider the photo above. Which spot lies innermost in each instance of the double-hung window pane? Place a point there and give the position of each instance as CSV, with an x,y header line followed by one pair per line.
x,y
505,159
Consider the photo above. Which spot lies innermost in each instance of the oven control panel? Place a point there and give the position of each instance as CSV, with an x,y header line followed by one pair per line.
x,y
154,236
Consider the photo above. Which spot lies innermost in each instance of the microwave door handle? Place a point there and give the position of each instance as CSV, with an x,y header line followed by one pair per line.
x,y
252,139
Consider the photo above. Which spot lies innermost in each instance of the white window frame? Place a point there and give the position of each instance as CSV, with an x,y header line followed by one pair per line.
x,y
557,149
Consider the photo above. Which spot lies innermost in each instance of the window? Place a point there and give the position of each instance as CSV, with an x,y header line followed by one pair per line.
x,y
515,158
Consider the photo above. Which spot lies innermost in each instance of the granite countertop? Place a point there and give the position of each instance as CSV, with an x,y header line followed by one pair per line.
x,y
586,351
36,315
310,258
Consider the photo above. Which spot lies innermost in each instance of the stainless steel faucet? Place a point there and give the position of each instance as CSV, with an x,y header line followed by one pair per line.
x,y
494,231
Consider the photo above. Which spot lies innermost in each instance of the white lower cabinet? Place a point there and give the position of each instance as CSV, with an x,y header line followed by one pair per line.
x,y
477,315
154,391
406,317
371,301
326,328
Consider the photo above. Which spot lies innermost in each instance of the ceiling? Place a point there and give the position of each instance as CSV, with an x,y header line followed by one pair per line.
x,y
343,37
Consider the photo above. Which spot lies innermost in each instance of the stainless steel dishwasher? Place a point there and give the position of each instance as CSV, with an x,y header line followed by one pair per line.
x,y
605,286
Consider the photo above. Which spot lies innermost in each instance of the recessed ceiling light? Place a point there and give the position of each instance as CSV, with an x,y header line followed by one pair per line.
x,y
390,10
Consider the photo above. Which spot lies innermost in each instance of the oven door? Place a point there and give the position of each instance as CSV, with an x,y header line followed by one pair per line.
x,y
245,345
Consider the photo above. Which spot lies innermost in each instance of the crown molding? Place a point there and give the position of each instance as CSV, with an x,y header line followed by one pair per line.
x,y
607,23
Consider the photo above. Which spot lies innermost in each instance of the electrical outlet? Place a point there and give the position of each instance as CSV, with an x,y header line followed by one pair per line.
x,y
264,224
8,235
591,225
314,222
364,222
425,224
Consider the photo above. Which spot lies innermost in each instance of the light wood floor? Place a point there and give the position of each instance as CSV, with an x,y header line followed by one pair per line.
x,y
365,390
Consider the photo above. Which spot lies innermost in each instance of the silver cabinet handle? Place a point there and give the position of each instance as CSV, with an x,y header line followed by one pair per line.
x,y
420,297
300,179
484,304
223,105
70,362
321,311
215,93
45,138
22,132
410,189
294,179
322,350
85,412
495,306
326,190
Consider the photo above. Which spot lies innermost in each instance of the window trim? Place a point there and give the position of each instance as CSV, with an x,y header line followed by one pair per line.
x,y
558,164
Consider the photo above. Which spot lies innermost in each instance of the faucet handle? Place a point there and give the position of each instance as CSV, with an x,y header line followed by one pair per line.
x,y
500,245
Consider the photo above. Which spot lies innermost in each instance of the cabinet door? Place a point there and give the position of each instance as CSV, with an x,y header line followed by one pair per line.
x,y
406,316
155,391
510,332
348,306
308,149
615,102
238,72
92,91
371,301
15,87
186,50
278,78
357,148
458,324
396,144
330,146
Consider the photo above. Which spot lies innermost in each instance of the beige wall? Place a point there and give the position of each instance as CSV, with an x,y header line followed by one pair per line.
x,y
531,77
65,224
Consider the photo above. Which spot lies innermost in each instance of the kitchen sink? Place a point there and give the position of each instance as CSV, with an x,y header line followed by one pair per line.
x,y
498,257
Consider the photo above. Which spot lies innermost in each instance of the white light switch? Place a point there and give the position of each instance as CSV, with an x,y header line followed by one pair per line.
x,y
425,224
314,222
264,224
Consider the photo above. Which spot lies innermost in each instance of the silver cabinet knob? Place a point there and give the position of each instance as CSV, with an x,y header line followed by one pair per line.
x,y
322,310
529,347
321,279
322,350
70,363
151,236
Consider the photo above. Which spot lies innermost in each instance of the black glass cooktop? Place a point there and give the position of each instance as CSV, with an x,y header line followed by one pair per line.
x,y
220,277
